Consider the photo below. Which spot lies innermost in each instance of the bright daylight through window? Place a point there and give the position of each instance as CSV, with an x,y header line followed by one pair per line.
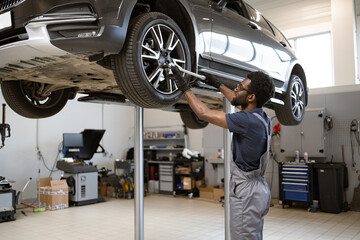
x,y
315,54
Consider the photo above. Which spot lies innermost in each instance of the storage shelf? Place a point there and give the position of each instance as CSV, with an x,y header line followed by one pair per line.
x,y
169,138
189,174
165,149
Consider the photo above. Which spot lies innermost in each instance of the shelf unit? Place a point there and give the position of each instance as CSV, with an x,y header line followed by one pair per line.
x,y
195,171
160,148
165,144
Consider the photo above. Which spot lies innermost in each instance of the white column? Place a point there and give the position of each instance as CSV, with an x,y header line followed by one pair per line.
x,y
343,37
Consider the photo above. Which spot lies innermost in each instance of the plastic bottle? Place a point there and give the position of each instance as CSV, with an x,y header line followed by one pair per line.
x,y
306,157
297,156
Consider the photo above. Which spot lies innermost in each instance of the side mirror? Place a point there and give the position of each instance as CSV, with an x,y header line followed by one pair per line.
x,y
220,5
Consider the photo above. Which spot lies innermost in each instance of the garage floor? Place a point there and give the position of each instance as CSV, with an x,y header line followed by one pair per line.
x,y
172,218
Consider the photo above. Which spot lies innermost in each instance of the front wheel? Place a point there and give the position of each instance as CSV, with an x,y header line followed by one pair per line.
x,y
141,70
293,111
33,99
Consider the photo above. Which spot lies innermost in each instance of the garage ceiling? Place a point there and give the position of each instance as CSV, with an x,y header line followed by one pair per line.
x,y
291,14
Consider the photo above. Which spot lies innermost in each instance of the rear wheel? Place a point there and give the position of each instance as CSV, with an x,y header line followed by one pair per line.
x,y
192,121
154,40
33,99
292,112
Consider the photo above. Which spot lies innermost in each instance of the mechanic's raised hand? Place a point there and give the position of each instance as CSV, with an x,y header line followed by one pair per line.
x,y
180,81
212,81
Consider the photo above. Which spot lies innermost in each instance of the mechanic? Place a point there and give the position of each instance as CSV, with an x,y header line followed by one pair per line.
x,y
249,192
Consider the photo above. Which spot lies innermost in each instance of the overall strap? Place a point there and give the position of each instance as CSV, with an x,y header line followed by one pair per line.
x,y
266,156
267,126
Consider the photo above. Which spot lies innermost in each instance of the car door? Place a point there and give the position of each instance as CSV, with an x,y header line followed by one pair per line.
x,y
235,40
276,51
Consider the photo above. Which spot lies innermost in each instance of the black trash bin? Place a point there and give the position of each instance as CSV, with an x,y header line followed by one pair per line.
x,y
331,179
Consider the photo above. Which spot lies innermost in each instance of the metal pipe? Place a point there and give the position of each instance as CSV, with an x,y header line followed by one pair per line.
x,y
228,108
139,174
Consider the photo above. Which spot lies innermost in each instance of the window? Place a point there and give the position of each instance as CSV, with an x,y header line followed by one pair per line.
x,y
237,7
258,18
315,54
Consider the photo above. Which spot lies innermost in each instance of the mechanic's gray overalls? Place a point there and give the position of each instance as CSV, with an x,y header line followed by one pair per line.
x,y
249,197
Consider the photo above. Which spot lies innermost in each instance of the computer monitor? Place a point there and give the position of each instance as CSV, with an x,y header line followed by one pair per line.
x,y
85,151
72,143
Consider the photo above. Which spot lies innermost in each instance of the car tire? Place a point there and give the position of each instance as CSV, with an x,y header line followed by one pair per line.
x,y
192,121
19,96
293,110
140,69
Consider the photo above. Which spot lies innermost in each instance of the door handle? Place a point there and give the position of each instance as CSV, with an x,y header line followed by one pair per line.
x,y
283,44
253,26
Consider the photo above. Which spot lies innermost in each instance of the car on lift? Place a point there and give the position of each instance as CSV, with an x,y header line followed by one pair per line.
x,y
119,50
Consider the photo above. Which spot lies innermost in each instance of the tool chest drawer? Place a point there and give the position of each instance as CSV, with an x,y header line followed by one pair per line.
x,y
295,180
295,186
297,196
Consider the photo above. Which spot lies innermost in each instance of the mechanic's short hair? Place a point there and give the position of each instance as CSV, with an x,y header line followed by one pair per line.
x,y
262,86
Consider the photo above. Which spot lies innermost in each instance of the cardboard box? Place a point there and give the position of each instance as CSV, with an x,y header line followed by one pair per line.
x,y
200,183
188,183
211,192
110,192
102,189
182,170
218,192
207,191
54,194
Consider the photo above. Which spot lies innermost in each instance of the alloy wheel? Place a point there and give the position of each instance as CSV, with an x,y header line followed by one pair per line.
x,y
160,47
297,99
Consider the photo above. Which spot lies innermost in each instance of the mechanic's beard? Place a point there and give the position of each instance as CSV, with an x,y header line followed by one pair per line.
x,y
239,101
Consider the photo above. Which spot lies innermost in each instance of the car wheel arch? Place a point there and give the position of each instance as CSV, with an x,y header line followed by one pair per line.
x,y
299,71
188,30
163,6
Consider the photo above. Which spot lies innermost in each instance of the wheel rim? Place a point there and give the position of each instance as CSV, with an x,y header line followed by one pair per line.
x,y
159,47
297,100
33,92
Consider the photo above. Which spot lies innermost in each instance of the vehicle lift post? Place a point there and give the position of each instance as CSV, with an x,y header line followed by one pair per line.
x,y
228,108
139,174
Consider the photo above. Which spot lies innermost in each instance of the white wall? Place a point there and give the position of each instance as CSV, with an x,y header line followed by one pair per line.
x,y
19,159
343,34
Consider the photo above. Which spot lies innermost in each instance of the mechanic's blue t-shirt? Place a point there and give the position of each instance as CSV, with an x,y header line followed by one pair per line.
x,y
249,138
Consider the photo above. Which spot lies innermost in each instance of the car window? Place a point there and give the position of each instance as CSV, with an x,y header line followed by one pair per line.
x,y
237,7
259,19
278,34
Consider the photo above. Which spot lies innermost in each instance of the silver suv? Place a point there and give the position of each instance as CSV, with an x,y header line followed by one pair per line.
x,y
117,50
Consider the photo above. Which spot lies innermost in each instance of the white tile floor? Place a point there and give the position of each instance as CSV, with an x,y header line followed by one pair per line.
x,y
172,218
